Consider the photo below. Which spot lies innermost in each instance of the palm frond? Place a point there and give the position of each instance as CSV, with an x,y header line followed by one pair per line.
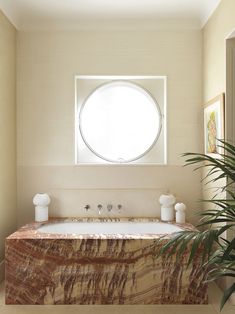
x,y
227,294
215,252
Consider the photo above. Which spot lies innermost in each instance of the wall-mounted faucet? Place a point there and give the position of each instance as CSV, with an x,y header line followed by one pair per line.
x,y
99,208
87,207
109,207
119,208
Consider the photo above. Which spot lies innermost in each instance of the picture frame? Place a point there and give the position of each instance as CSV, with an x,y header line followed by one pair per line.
x,y
214,125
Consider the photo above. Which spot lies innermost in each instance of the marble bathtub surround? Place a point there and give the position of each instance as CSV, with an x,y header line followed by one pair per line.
x,y
97,269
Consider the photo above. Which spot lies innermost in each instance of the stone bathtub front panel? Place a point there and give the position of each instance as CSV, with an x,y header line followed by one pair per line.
x,y
56,269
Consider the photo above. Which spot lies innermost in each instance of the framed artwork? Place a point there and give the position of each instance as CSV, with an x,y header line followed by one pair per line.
x,y
214,125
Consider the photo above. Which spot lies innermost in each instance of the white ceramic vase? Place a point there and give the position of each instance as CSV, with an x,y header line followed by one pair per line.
x,y
167,210
41,202
180,213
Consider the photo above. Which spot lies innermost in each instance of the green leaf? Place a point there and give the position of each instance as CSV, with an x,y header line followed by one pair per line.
x,y
230,247
218,253
228,292
224,228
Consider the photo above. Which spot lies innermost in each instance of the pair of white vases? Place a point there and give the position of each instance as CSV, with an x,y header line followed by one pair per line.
x,y
41,202
167,202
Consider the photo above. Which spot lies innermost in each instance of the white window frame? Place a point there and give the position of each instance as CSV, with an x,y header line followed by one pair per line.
x,y
128,78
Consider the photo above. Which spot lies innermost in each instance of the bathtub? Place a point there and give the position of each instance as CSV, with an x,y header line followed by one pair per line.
x,y
99,261
125,228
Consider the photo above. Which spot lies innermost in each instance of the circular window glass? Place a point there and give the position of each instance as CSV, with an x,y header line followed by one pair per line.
x,y
120,121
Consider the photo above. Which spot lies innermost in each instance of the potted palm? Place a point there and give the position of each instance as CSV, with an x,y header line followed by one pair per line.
x,y
217,239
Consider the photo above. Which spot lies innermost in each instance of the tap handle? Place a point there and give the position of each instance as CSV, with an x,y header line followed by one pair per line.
x,y
86,207
99,208
109,207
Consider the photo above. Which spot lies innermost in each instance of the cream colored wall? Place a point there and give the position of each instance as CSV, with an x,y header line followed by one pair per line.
x,y
7,132
218,28
47,64
216,31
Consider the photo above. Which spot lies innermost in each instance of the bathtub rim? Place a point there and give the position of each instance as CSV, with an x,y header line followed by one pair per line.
x,y
30,230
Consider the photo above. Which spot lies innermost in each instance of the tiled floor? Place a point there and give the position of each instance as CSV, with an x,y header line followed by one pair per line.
x,y
212,308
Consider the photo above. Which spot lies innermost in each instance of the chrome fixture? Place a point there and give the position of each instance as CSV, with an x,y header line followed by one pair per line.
x,y
87,207
119,207
109,207
99,208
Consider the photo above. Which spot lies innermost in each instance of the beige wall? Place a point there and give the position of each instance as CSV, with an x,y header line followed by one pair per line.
x,y
47,64
218,28
7,131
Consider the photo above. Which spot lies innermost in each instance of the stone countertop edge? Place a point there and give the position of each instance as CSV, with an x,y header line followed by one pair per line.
x,y
29,231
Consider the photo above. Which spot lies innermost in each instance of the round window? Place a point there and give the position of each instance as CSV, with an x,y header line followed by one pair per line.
x,y
120,121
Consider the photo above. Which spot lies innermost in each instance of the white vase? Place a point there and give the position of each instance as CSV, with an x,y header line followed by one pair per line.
x,y
180,213
41,202
167,211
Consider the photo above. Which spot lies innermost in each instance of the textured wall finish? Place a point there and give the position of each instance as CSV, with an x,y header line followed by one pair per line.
x,y
47,64
137,189
7,132
97,269
218,28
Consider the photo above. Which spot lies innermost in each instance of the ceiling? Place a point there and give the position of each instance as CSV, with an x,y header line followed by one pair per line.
x,y
68,14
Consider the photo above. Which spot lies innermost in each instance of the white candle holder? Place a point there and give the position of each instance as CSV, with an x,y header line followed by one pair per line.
x,y
180,213
167,211
41,202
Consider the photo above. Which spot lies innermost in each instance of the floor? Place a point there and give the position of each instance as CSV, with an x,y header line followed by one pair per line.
x,y
212,308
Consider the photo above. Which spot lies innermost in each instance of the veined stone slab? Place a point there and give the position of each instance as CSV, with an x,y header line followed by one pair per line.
x,y
46,268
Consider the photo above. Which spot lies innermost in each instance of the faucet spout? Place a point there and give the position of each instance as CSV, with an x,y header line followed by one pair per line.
x,y
99,209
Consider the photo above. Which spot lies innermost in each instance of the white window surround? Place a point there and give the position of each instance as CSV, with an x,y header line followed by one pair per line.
x,y
155,89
